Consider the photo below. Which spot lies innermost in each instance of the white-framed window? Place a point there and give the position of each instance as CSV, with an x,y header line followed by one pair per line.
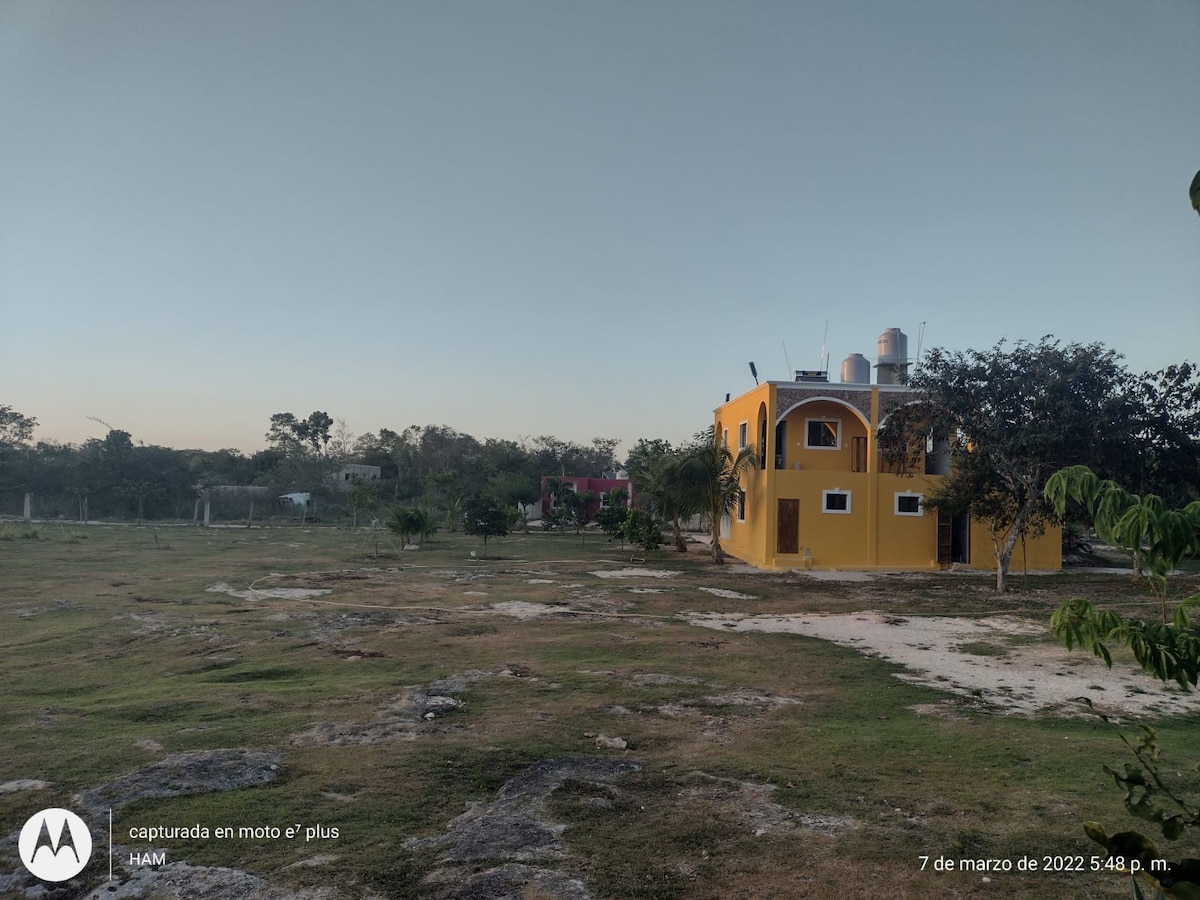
x,y
836,501
741,506
822,434
743,435
909,504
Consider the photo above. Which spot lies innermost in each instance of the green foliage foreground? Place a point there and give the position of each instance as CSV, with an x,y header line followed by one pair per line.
x,y
1148,797
1158,539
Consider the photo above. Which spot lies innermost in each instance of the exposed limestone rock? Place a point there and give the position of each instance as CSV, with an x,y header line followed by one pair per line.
x,y
185,773
179,881
513,828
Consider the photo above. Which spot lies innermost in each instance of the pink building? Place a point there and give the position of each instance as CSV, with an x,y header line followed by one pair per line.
x,y
579,485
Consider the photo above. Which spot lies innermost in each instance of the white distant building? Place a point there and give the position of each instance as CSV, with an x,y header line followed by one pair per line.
x,y
343,476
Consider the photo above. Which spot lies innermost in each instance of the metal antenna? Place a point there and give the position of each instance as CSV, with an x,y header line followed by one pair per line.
x,y
787,358
101,421
821,366
920,338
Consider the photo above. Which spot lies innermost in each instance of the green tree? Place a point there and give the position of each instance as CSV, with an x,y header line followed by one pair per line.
x,y
1012,418
670,486
557,518
407,522
483,517
454,507
132,480
15,429
554,455
717,473
157,475
445,484
1165,457
646,450
361,497
559,489
1161,538
642,529
287,432
429,523
613,513
16,455
512,489
1156,537
1168,649
579,502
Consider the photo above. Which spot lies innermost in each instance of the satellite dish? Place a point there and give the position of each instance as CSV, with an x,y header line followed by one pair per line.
x,y
1195,192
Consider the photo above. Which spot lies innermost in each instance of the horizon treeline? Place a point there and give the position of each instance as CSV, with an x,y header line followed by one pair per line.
x,y
121,478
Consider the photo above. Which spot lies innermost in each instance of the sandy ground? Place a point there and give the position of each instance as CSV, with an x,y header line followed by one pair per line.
x,y
220,587
636,573
1025,675
1010,664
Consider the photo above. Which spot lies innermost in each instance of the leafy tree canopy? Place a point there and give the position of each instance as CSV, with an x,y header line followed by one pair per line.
x,y
1166,447
482,516
15,429
641,529
287,433
645,452
1013,415
613,513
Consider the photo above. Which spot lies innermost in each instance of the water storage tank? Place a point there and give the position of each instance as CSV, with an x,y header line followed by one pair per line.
x,y
893,346
893,356
856,369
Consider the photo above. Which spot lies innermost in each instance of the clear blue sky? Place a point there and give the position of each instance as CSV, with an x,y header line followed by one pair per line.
x,y
578,219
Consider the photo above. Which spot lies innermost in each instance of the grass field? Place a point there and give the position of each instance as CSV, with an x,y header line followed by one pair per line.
x,y
400,689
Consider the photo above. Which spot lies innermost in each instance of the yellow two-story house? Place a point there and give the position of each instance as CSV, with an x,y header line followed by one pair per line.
x,y
821,496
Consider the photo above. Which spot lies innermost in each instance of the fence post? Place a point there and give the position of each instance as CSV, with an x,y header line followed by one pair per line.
x,y
28,507
207,510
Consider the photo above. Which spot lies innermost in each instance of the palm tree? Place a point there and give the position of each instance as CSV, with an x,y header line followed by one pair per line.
x,y
558,488
667,487
454,510
717,472
426,523
408,521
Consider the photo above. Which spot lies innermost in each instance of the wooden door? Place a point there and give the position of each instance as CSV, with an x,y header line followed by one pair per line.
x,y
858,454
787,527
945,540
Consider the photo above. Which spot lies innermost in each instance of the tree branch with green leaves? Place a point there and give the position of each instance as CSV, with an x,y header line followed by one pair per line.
x,y
1169,650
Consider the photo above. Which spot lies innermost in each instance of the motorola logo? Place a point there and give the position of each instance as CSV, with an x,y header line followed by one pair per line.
x,y
55,844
